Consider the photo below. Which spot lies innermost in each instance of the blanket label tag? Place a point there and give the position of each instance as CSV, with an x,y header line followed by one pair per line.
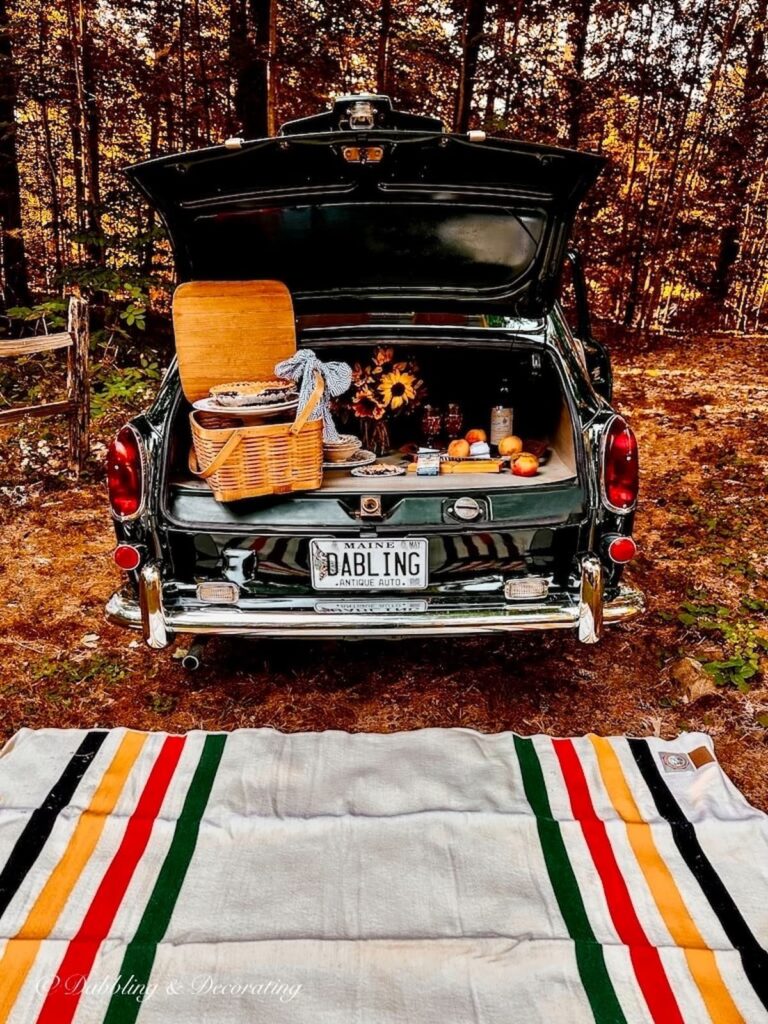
x,y
675,761
701,756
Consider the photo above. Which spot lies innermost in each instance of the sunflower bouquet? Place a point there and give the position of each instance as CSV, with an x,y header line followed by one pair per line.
x,y
382,390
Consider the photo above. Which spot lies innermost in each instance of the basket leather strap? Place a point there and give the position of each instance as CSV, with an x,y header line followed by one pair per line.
x,y
219,459
309,408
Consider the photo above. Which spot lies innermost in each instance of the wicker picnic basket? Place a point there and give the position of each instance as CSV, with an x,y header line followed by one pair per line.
x,y
253,460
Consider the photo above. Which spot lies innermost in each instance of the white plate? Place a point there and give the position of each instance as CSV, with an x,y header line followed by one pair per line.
x,y
378,564
210,405
360,458
391,471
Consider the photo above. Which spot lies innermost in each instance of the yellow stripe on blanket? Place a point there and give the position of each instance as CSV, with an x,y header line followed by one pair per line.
x,y
22,949
676,916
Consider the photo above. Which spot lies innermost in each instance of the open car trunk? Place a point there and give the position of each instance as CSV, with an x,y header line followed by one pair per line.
x,y
547,507
525,526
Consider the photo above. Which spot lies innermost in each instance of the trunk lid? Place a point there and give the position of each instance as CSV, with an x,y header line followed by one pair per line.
x,y
436,222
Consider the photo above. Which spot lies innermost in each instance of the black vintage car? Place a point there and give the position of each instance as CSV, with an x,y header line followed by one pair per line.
x,y
450,248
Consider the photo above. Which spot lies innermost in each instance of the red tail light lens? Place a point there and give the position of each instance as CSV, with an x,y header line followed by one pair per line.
x,y
127,557
125,474
622,550
620,469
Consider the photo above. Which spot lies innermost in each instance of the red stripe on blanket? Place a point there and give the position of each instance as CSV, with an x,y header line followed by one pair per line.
x,y
61,1001
646,961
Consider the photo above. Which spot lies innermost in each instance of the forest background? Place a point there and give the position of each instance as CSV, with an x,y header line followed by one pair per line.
x,y
675,242
675,235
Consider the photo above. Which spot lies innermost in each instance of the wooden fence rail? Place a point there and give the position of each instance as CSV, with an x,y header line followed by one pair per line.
x,y
76,406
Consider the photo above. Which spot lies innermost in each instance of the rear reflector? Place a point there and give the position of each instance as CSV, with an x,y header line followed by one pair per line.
x,y
218,592
127,557
622,549
526,588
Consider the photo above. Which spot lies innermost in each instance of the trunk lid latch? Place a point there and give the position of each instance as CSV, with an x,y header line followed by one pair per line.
x,y
467,509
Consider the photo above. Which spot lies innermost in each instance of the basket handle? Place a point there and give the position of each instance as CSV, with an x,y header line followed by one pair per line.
x,y
219,459
311,405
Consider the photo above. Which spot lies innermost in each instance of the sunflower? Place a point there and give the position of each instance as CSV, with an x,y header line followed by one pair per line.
x,y
398,388
366,405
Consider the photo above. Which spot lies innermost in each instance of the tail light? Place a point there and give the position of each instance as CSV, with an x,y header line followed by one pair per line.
x,y
125,474
620,468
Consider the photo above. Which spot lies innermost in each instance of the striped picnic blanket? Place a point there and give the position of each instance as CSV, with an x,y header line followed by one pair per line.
x,y
431,877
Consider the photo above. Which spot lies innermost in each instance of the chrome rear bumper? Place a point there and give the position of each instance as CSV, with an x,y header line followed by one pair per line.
x,y
586,613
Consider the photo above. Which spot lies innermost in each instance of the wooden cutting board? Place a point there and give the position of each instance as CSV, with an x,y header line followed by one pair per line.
x,y
467,466
229,331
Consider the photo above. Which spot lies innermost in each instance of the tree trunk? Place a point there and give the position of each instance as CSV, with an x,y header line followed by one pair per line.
x,y
472,37
577,44
667,220
85,128
14,256
512,60
383,48
496,65
184,120
252,58
624,254
160,111
49,157
202,74
91,123
743,139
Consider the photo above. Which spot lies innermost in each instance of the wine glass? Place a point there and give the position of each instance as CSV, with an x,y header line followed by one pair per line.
x,y
431,425
453,420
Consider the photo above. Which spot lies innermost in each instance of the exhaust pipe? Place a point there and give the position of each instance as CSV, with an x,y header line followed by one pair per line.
x,y
193,659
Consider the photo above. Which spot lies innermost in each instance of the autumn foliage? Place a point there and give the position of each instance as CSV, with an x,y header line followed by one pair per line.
x,y
672,91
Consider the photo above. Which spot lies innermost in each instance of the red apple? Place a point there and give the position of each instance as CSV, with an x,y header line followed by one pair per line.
x,y
525,465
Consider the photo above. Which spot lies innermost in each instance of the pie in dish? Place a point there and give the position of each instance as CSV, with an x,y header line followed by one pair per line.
x,y
253,392
341,450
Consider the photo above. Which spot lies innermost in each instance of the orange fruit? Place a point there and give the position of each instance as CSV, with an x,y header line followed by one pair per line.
x,y
476,435
510,445
458,449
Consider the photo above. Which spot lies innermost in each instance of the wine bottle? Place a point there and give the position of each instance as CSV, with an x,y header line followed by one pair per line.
x,y
502,413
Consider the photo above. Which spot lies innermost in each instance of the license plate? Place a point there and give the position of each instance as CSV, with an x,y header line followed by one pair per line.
x,y
369,564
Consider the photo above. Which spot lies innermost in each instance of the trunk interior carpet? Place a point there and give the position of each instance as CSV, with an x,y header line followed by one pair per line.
x,y
436,876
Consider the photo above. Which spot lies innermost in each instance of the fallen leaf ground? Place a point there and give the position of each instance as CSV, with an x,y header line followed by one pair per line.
x,y
700,409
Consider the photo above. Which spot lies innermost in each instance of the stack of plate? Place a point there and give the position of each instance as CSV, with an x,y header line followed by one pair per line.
x,y
346,453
